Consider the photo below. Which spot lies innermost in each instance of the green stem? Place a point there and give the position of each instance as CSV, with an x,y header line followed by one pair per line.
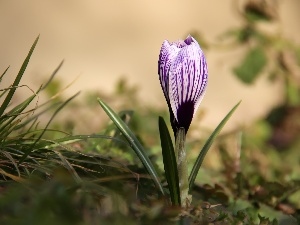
x,y
182,168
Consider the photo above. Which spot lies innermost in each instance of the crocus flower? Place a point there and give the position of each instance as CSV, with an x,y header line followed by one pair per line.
x,y
183,77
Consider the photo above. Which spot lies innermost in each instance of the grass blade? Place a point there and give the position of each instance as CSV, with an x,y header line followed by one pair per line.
x,y
27,152
2,75
69,167
11,176
36,116
18,79
11,159
53,75
134,143
9,117
75,138
169,160
206,147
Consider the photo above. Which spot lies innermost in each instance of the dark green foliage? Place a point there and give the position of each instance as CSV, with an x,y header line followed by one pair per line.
x,y
206,147
169,160
251,66
256,10
17,80
135,144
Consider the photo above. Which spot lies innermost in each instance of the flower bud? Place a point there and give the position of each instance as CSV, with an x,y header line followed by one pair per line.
x,y
183,77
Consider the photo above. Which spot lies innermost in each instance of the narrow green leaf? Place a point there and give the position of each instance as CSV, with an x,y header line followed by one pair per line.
x,y
75,138
31,147
69,167
134,143
35,116
20,107
53,75
2,75
12,160
17,79
206,147
3,92
169,160
7,119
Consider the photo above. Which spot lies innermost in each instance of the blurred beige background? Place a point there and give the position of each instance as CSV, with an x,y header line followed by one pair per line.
x,y
104,40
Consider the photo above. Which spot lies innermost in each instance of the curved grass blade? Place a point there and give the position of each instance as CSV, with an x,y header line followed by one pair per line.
x,y
206,147
11,176
2,75
17,79
35,116
11,159
3,91
169,160
27,152
13,114
134,143
50,144
68,166
53,75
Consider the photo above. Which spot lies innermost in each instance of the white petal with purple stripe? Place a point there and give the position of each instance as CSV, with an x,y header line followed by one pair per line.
x,y
183,76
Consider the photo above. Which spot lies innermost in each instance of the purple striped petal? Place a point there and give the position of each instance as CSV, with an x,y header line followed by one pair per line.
x,y
183,76
166,57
